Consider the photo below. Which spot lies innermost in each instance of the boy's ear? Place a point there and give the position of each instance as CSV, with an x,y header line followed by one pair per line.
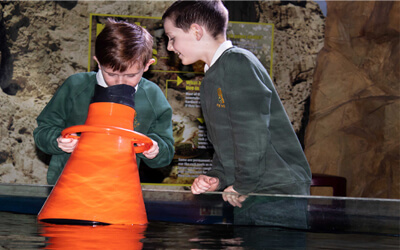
x,y
150,62
95,58
197,30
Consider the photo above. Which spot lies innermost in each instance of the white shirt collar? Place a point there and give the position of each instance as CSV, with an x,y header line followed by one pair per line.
x,y
224,46
100,79
102,82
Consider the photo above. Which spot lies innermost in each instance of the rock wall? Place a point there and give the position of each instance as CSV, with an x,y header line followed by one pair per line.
x,y
43,42
354,121
298,38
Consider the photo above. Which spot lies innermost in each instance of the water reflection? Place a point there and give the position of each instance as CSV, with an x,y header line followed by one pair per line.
x,y
21,231
92,237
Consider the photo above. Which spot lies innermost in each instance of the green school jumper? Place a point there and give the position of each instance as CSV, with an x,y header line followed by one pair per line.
x,y
256,148
69,106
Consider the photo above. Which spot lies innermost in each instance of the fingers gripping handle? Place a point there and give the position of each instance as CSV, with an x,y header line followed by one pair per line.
x,y
140,142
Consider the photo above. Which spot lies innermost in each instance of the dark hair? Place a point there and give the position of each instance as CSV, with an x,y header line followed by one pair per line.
x,y
211,14
121,44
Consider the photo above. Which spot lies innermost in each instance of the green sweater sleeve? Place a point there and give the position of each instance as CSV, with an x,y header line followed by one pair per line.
x,y
249,109
218,172
160,132
51,122
154,114
66,108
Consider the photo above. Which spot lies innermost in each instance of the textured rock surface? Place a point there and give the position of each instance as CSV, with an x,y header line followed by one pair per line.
x,y
43,42
354,123
298,38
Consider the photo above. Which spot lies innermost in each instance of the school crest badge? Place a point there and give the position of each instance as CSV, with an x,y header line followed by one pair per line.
x,y
221,101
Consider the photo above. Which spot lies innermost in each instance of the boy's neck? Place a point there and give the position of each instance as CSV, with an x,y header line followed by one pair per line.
x,y
219,51
212,47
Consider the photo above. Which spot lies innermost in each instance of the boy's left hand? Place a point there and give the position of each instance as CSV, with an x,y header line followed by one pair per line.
x,y
234,199
152,152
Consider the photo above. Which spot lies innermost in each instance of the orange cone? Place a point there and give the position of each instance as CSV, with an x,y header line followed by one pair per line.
x,y
100,182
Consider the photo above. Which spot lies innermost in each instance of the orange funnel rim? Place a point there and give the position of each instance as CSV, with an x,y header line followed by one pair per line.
x,y
144,142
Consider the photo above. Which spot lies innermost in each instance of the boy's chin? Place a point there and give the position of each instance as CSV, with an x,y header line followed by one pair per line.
x,y
186,62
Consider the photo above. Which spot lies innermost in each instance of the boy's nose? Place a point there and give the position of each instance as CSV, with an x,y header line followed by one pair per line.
x,y
170,47
120,80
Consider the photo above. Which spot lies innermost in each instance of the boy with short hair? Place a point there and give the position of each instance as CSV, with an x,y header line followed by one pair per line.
x,y
256,148
123,53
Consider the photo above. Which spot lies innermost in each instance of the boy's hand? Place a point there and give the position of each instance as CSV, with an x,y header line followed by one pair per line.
x,y
152,152
234,199
204,183
67,144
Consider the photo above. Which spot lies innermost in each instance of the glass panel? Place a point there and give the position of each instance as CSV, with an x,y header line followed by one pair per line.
x,y
312,213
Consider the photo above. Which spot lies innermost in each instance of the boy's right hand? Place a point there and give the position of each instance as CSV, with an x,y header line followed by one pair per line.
x,y
204,183
67,144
